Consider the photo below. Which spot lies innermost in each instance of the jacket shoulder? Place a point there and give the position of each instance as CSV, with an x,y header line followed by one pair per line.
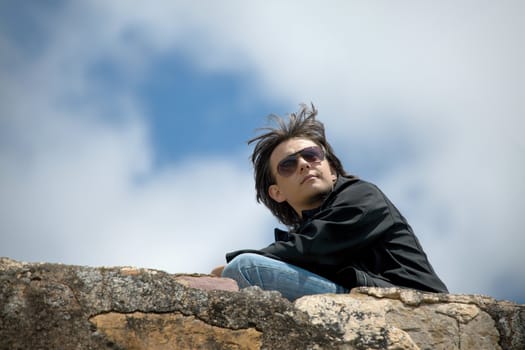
x,y
356,187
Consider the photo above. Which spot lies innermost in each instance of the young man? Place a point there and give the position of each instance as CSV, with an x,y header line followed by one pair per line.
x,y
343,231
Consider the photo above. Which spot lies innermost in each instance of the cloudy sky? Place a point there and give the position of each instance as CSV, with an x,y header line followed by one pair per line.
x,y
123,125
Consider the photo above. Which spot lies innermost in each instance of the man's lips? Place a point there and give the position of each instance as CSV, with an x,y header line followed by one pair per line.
x,y
307,177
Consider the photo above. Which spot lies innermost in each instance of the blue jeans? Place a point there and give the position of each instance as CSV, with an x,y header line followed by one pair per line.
x,y
293,282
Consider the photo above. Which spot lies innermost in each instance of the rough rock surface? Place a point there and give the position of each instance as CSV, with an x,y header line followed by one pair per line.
x,y
53,306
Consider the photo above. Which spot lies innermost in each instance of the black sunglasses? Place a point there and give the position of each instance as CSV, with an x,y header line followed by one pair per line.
x,y
288,165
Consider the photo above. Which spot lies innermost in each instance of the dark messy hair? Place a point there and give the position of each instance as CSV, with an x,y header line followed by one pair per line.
x,y
301,124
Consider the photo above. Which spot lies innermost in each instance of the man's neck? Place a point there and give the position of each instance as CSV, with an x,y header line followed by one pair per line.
x,y
314,203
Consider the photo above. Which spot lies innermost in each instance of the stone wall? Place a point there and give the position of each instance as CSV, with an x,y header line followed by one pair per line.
x,y
53,306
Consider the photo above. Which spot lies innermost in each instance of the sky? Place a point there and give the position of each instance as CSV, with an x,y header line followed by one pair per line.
x,y
123,125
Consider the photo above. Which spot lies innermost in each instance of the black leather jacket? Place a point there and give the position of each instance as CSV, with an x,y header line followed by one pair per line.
x,y
357,237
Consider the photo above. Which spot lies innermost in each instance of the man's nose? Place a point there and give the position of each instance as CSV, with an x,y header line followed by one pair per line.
x,y
302,164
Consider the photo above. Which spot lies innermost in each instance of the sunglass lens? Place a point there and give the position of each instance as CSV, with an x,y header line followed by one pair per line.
x,y
312,154
287,166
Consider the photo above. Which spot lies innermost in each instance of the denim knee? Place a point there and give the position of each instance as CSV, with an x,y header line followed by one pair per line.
x,y
234,268
251,269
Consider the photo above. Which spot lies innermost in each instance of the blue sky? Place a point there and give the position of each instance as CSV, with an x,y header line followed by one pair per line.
x,y
123,125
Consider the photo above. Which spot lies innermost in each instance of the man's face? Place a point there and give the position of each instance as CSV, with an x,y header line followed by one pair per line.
x,y
305,187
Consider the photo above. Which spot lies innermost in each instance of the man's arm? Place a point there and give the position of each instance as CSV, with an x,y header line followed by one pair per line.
x,y
340,230
356,217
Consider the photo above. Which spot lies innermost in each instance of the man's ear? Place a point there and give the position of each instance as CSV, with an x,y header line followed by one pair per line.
x,y
276,194
333,174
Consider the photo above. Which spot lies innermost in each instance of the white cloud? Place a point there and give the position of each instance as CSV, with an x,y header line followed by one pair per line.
x,y
78,184
81,191
442,80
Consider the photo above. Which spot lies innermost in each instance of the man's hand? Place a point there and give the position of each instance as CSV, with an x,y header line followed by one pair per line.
x,y
217,271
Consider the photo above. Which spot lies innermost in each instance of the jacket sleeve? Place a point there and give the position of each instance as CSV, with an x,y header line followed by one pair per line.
x,y
355,218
